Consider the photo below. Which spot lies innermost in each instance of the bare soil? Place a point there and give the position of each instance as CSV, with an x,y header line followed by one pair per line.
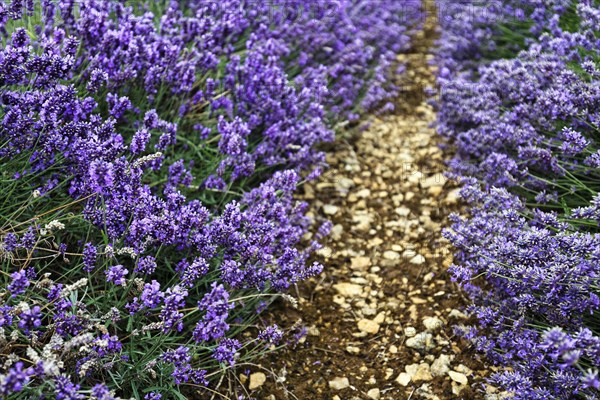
x,y
385,281
381,319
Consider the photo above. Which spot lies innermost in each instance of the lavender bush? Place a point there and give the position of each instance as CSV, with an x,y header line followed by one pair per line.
x,y
520,98
149,152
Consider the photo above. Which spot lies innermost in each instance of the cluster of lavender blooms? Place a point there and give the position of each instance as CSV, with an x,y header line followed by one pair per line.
x,y
149,154
520,99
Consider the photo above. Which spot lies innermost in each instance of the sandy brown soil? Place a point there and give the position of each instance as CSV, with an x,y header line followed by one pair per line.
x,y
381,318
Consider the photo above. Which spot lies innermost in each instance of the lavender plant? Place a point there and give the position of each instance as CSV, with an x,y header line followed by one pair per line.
x,y
149,153
522,110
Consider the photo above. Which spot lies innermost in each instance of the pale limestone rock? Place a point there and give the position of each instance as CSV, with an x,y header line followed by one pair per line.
x,y
409,331
256,380
339,383
391,255
423,373
368,326
348,289
374,394
330,209
403,379
441,365
458,377
432,323
417,260
359,263
422,341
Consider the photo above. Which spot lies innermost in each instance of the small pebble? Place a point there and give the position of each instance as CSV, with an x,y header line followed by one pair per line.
x,y
348,289
410,331
256,380
339,383
417,260
374,394
458,377
432,323
423,342
403,379
391,255
330,209
368,326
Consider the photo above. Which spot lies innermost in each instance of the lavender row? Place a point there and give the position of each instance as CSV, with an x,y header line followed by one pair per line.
x,y
149,154
520,100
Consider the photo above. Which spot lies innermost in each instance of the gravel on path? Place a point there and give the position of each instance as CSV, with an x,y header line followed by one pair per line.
x,y
381,318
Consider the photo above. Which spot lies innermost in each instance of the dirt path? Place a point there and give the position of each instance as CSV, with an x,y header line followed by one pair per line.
x,y
381,317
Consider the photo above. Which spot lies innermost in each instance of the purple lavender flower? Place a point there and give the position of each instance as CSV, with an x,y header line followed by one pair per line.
x,y
140,141
118,105
216,305
6,316
590,67
10,242
151,119
151,296
226,351
178,356
271,334
102,392
526,153
591,380
19,283
101,175
215,183
191,272
232,136
55,292
107,344
76,96
64,389
30,319
116,274
29,239
20,38
89,257
98,78
15,379
145,265
174,299
572,142
183,371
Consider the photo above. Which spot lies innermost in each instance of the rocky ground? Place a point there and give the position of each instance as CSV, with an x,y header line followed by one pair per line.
x,y
381,318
